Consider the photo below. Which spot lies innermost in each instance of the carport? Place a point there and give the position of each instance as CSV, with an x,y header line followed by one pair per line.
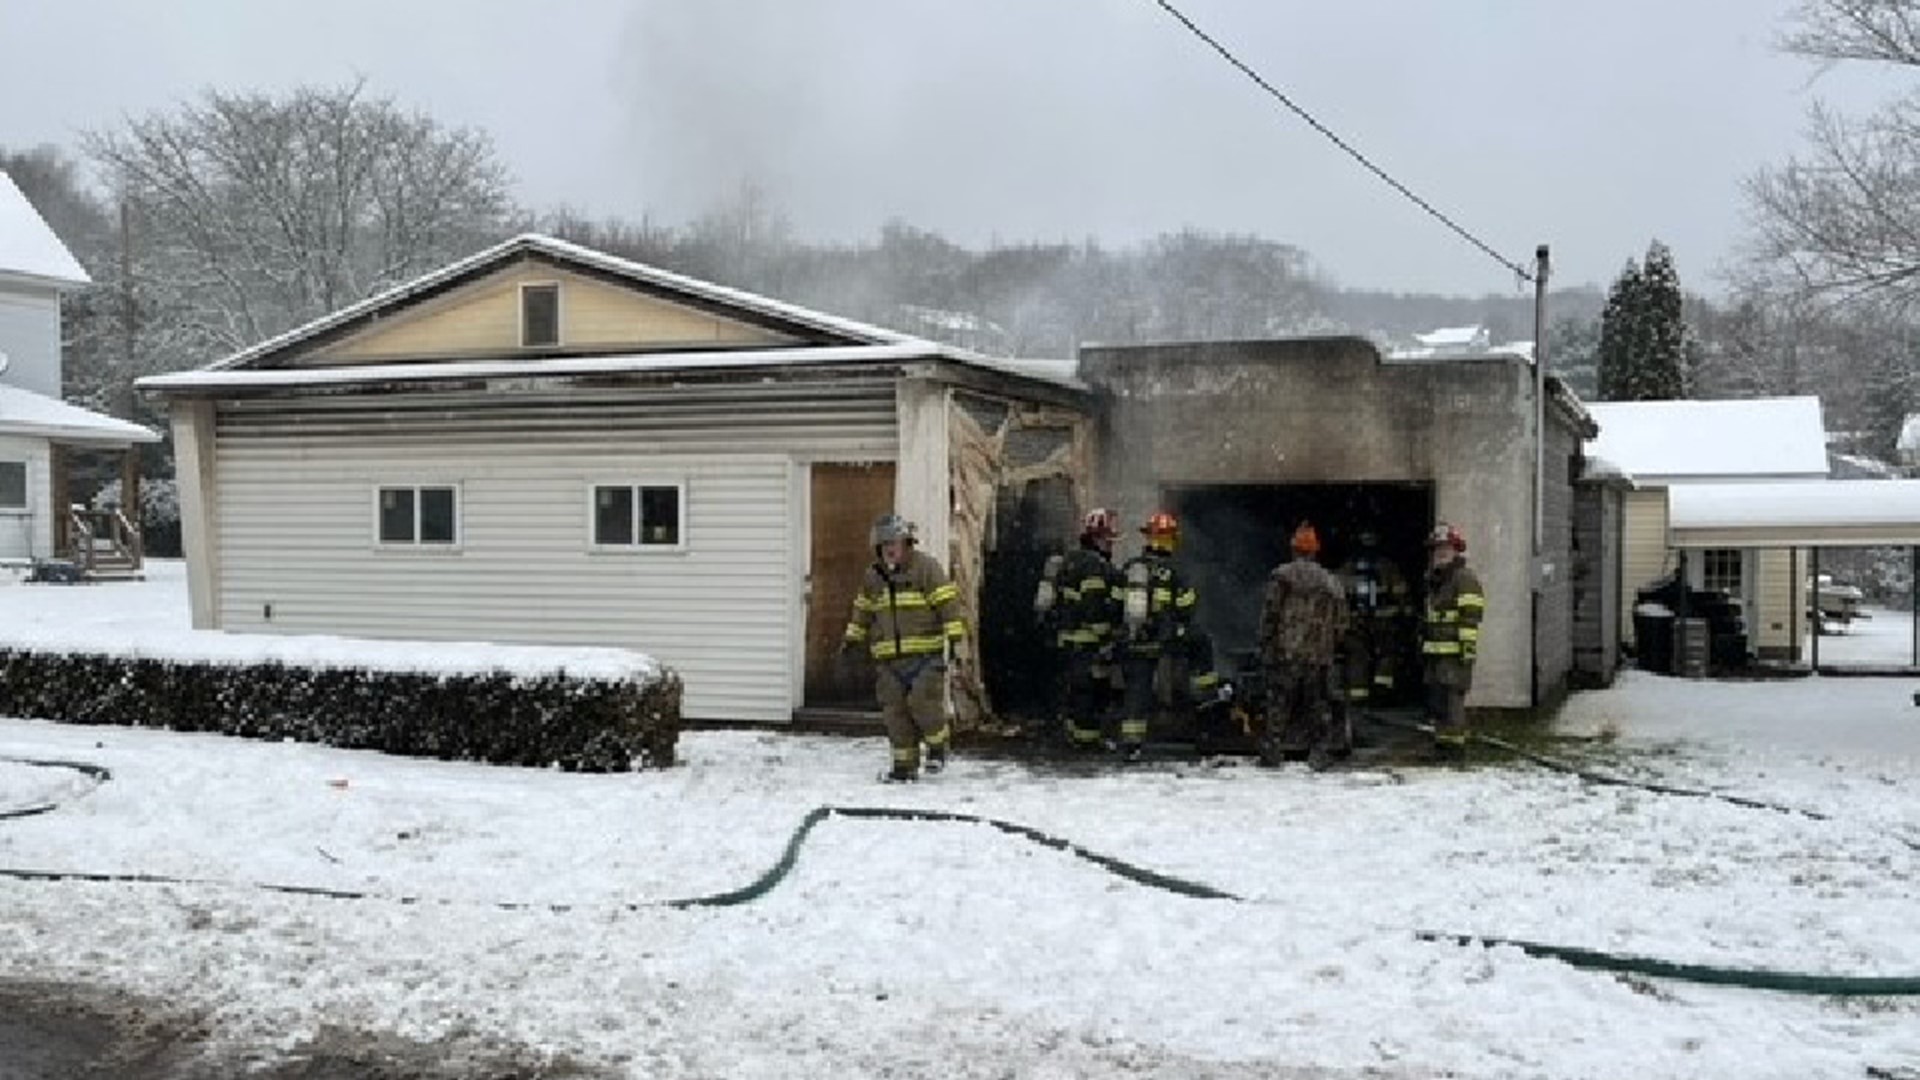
x,y
1810,514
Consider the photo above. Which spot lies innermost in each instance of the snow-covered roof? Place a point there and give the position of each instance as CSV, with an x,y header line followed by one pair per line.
x,y
565,252
1602,469
1910,435
1058,373
1760,438
28,246
1805,513
1454,337
23,412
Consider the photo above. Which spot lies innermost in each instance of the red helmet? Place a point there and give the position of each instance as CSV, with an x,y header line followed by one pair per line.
x,y
1445,535
1100,524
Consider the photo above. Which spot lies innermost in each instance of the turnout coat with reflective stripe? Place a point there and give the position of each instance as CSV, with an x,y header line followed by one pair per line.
x,y
1170,601
1450,638
911,611
1089,605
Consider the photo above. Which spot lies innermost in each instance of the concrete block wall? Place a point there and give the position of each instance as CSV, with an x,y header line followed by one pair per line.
x,y
1330,410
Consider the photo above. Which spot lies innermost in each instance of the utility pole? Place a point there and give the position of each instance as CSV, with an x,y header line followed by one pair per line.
x,y
1541,269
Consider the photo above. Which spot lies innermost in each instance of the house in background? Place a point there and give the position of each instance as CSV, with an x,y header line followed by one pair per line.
x,y
1667,445
546,444
39,433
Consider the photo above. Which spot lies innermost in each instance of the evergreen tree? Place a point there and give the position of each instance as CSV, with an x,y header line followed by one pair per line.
x,y
1645,347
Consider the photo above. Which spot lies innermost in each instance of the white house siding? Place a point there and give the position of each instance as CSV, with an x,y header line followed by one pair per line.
x,y
30,336
1778,592
296,532
28,533
1644,555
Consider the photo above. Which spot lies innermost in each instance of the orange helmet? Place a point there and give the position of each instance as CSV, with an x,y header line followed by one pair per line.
x,y
1305,540
1445,535
1100,524
1162,531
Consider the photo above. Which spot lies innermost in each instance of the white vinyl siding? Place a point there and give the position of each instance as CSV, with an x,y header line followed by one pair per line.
x,y
1644,556
1779,602
26,530
293,481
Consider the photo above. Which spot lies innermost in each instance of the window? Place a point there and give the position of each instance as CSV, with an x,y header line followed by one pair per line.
x,y
13,485
637,515
539,316
1723,570
419,516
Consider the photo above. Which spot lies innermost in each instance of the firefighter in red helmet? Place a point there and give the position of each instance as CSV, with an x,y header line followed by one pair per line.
x,y
1079,600
1450,637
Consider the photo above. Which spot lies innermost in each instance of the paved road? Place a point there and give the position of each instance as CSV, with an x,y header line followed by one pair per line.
x,y
54,1032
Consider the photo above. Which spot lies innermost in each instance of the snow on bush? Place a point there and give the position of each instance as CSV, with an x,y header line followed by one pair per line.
x,y
604,719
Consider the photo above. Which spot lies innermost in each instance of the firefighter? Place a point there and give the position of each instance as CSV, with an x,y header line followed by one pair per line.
x,y
1301,623
1450,637
907,615
1079,598
1158,607
1378,602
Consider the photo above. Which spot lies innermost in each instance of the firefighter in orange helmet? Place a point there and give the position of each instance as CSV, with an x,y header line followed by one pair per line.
x,y
1158,634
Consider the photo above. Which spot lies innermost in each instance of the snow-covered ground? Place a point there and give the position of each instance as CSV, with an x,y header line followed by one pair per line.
x,y
1883,639
957,951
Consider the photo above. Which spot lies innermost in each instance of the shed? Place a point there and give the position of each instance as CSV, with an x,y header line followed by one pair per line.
x,y
548,444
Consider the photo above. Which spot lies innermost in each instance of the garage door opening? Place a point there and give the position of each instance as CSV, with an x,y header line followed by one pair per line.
x,y
1235,535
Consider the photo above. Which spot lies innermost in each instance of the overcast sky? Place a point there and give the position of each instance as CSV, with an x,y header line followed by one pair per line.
x,y
1592,126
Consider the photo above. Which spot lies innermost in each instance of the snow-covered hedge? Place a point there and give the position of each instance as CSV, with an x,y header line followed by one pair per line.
x,y
601,713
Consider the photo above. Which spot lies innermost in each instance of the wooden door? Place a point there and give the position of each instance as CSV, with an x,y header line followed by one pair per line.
x,y
845,500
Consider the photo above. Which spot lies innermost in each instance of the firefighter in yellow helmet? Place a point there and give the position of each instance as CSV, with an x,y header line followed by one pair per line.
x,y
1159,639
1450,637
907,615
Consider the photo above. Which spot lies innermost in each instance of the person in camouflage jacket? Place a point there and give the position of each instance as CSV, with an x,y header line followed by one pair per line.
x,y
1301,624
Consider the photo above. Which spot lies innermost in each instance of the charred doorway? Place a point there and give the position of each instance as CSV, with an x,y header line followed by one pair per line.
x,y
1031,523
1234,535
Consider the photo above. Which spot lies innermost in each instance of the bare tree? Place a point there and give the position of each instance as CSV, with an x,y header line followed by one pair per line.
x,y
1881,31
248,214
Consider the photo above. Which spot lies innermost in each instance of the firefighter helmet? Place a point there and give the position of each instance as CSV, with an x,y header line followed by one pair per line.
x,y
1162,531
1445,535
892,527
1099,524
1306,541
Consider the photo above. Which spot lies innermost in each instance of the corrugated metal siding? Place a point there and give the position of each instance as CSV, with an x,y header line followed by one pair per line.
x,y
1596,627
1644,556
1553,633
296,530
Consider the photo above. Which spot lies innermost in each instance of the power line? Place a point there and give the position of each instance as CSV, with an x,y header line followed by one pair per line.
x,y
1313,122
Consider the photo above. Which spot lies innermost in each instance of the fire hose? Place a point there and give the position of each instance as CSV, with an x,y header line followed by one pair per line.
x,y
1825,985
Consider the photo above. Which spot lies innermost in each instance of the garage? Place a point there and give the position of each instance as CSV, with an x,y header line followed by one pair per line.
x,y
1236,534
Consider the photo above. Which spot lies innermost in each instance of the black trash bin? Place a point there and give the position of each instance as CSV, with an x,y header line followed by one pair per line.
x,y
1653,637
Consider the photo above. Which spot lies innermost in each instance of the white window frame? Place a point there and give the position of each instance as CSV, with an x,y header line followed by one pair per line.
x,y
559,313
416,545
679,486
1707,571
25,505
